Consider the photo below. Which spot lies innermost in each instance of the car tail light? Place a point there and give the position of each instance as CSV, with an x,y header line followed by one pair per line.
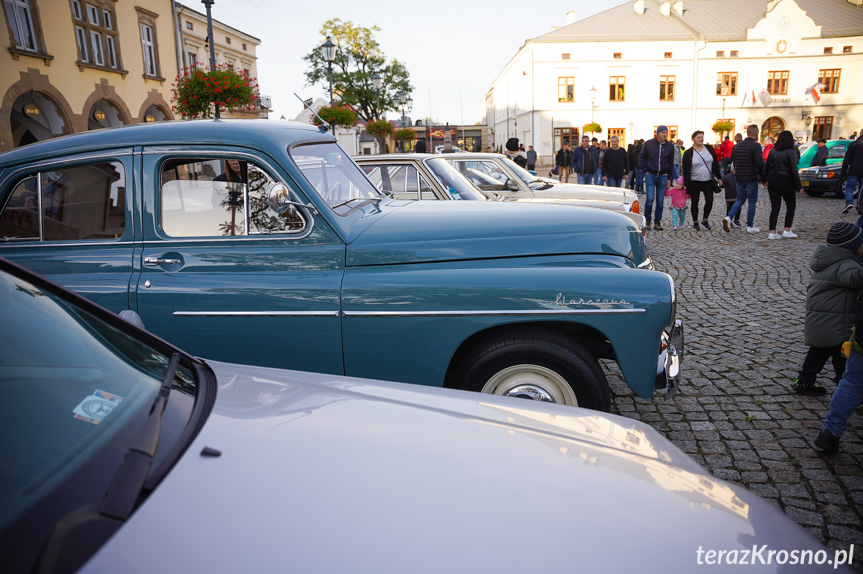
x,y
635,206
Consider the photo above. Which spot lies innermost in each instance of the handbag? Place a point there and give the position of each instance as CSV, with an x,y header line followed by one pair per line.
x,y
713,184
556,170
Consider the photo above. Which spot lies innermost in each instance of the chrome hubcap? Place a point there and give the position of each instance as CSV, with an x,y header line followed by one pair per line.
x,y
531,382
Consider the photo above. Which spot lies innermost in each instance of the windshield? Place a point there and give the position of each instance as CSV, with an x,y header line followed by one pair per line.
x,y
334,175
457,186
76,390
522,173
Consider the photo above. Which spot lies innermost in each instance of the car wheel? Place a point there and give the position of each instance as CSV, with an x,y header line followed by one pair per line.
x,y
543,368
814,193
840,189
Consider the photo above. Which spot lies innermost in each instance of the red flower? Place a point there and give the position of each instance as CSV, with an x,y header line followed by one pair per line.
x,y
218,90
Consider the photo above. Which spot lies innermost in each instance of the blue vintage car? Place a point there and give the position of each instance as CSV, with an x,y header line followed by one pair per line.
x,y
264,243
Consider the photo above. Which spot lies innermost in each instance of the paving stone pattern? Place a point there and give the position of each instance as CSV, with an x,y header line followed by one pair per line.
x,y
741,298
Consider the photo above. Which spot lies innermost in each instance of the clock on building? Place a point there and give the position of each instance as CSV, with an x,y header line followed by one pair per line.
x,y
785,23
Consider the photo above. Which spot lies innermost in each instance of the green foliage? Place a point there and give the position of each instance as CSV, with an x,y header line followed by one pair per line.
x,y
405,134
380,128
196,89
593,128
722,127
338,116
358,58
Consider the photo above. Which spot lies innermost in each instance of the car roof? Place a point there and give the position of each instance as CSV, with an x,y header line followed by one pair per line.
x,y
394,156
253,133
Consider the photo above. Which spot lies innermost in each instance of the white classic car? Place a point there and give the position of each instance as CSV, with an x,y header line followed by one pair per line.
x,y
121,453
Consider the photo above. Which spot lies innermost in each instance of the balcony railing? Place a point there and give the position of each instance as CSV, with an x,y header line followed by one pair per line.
x,y
265,103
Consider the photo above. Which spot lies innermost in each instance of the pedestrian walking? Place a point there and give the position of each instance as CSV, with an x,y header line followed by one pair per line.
x,y
831,301
701,175
615,164
585,161
563,160
678,203
677,171
639,173
749,170
599,176
531,158
656,159
852,173
783,183
768,145
849,390
724,153
730,185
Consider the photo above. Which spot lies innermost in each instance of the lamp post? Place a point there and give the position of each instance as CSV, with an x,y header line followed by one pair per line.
x,y
329,55
212,42
377,81
724,92
592,102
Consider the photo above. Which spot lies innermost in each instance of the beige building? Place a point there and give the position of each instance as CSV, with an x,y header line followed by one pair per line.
x,y
75,65
231,47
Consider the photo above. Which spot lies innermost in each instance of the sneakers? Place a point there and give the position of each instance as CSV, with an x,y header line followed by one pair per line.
x,y
705,225
827,441
727,223
811,389
657,226
752,230
647,224
695,226
736,223
847,207
790,234
774,236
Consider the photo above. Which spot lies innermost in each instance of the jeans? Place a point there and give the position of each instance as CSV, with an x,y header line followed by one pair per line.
x,y
585,178
847,396
746,191
611,182
678,216
655,186
674,174
639,179
597,178
852,184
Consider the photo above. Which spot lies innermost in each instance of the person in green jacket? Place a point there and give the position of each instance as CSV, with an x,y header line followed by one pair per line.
x,y
831,300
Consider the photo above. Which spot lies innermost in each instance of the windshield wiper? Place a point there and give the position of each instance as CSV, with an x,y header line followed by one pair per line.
x,y
376,200
66,546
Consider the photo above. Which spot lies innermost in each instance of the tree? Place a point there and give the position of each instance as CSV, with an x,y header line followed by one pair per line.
x,y
358,59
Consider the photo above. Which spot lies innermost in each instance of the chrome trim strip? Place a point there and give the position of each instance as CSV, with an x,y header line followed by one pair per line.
x,y
508,313
71,243
256,313
39,203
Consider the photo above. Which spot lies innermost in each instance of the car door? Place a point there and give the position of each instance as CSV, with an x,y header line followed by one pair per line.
x,y
71,220
224,277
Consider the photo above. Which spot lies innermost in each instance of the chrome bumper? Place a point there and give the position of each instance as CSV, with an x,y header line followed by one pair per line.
x,y
668,370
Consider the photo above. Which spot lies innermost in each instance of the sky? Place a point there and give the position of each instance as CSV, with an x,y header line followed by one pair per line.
x,y
452,49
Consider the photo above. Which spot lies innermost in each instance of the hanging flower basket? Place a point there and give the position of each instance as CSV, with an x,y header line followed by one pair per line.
x,y
197,89
722,127
593,128
405,134
338,116
380,128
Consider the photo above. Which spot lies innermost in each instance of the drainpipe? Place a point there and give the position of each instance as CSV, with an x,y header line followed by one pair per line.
x,y
181,40
695,50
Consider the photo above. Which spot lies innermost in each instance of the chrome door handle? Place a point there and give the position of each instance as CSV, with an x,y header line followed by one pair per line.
x,y
157,261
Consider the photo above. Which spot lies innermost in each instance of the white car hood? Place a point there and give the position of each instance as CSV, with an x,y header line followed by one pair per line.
x,y
320,473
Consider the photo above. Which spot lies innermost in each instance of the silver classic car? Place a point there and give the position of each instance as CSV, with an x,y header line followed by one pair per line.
x,y
426,176
122,453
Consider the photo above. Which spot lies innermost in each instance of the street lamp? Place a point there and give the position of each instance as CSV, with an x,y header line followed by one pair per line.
x,y
329,55
592,102
724,92
212,42
377,81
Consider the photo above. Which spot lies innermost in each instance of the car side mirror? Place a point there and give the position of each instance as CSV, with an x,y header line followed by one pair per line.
x,y
511,185
279,199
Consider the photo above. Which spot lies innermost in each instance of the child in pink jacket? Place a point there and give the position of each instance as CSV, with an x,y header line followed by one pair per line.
x,y
678,203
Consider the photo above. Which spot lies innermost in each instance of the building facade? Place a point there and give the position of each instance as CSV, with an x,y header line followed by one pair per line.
x,y
231,47
74,65
686,64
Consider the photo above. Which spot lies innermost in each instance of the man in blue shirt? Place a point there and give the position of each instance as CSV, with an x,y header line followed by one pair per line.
x,y
585,161
657,161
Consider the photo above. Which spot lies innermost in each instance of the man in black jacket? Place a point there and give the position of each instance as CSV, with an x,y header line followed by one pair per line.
x,y
614,164
657,161
563,159
852,168
748,164
821,155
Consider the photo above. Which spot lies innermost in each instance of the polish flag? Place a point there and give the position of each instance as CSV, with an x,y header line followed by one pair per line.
x,y
765,97
753,97
815,92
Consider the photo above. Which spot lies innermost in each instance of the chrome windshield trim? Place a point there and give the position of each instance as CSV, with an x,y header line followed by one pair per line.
x,y
507,313
256,313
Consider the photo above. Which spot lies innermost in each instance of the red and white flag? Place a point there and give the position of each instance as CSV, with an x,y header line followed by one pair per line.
x,y
815,92
753,97
765,97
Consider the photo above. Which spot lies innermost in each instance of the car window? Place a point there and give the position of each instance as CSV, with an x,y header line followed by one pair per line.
x,y
399,179
335,177
70,203
454,182
210,197
483,174
837,150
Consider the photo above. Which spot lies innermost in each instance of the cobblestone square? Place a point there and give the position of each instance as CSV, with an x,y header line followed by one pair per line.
x,y
742,300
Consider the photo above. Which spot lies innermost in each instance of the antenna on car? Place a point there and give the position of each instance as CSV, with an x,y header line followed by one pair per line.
x,y
324,127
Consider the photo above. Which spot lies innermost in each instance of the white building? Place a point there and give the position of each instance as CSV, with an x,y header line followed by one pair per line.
x,y
685,64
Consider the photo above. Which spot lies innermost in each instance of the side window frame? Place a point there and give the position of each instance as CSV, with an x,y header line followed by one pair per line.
x,y
208,155
15,176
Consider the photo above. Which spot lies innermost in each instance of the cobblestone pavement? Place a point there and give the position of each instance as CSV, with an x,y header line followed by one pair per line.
x,y
741,298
